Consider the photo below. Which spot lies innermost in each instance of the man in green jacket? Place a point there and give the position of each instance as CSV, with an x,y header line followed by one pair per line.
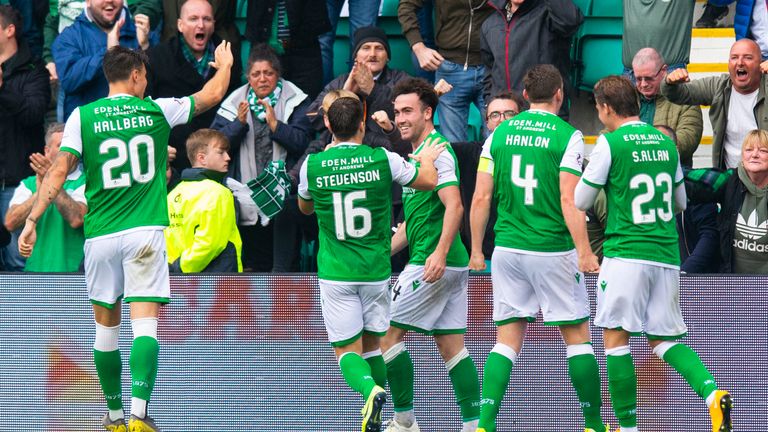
x,y
649,70
737,100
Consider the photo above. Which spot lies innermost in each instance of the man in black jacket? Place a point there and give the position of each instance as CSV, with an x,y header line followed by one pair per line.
x,y
180,67
292,28
24,95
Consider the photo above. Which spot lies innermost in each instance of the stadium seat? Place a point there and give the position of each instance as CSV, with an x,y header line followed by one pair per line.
x,y
597,51
475,126
584,5
607,8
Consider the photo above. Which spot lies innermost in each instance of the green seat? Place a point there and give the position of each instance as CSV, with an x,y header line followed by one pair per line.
x,y
597,51
584,5
608,8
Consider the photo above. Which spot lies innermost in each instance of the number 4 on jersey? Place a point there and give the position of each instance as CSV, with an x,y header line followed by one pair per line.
x,y
528,183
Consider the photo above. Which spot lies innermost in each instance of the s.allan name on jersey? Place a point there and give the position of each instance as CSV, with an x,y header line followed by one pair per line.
x,y
651,155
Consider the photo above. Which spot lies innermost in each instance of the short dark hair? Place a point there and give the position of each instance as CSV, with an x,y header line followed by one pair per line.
x,y
619,94
120,61
344,117
10,15
423,89
510,95
199,141
263,52
668,131
542,82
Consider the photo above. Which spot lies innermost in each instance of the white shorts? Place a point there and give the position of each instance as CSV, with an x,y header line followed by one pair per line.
x,y
430,308
639,298
524,283
349,309
131,264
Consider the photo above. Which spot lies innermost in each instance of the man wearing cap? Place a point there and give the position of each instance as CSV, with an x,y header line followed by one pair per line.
x,y
372,80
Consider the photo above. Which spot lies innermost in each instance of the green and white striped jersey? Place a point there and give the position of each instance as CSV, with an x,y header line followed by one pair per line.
x,y
351,186
526,155
639,168
123,143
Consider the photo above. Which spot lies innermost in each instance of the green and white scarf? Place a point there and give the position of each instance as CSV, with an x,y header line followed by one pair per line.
x,y
258,109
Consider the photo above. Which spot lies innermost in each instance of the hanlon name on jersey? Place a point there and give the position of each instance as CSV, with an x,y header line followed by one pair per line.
x,y
650,156
527,141
122,124
348,178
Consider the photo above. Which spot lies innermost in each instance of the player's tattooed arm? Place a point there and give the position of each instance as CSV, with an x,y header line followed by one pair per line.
x,y
72,211
214,90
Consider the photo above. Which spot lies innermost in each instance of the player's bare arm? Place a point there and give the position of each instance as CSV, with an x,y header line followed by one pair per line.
x,y
399,240
576,222
306,206
17,214
72,211
427,176
478,218
434,266
63,164
214,90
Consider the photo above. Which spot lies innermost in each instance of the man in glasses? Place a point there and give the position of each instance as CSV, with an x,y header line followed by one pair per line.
x,y
649,70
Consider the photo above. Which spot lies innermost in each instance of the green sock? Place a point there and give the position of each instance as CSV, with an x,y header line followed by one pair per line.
x,y
400,374
144,354
466,386
688,364
495,380
622,383
378,369
109,367
357,373
585,377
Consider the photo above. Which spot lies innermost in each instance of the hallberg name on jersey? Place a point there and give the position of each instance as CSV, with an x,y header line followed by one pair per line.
x,y
653,155
124,123
347,178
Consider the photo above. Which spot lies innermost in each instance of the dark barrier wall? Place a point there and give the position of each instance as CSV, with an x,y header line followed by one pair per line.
x,y
248,353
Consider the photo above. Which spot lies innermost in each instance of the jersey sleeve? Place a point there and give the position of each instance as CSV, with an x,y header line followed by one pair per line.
x,y
403,172
599,166
303,182
679,177
446,171
486,160
72,139
574,154
21,194
177,110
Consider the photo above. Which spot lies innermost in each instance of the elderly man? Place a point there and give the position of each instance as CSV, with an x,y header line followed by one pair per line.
x,y
79,49
649,70
180,67
737,100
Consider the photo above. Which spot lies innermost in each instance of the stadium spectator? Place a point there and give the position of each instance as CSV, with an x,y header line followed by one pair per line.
x,y
224,13
24,96
202,235
362,13
33,13
712,16
737,100
425,15
79,49
743,197
662,25
639,281
61,227
502,107
696,228
264,120
649,71
63,13
542,247
355,298
520,34
456,60
372,81
437,265
292,28
125,252
180,66
750,21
